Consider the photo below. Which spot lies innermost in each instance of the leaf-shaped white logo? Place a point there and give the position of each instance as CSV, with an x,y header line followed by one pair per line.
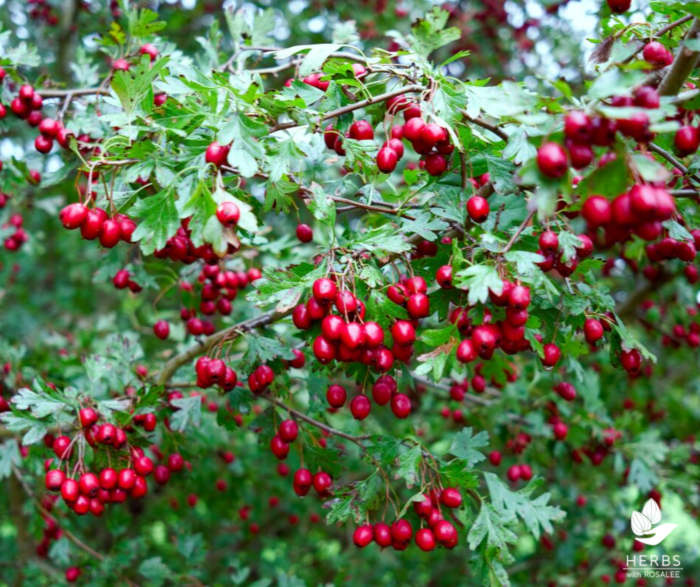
x,y
643,524
660,532
640,524
651,511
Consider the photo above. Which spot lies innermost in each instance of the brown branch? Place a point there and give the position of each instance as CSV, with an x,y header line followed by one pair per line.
x,y
518,232
356,106
685,193
356,439
373,207
682,65
57,93
660,33
672,160
231,332
487,125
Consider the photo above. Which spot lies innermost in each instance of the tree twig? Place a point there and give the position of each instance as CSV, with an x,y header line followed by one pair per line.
x,y
58,93
280,404
487,125
355,106
231,332
518,232
683,64
660,33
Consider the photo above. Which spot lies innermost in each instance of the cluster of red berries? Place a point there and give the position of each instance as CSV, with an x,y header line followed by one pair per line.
x,y
90,492
303,481
430,140
180,247
94,223
582,133
346,336
287,433
14,241
411,292
122,280
554,257
27,105
509,333
440,532
641,210
216,283
212,372
519,472
41,10
680,333
384,391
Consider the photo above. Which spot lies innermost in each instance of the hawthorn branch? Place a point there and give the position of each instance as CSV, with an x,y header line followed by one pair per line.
x,y
227,333
685,193
682,65
308,419
518,232
672,160
487,125
355,106
372,207
660,33
59,93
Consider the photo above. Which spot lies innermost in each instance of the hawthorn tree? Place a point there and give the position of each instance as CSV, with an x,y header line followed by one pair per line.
x,y
371,293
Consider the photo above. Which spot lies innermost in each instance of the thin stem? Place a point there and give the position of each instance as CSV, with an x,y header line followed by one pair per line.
x,y
518,232
660,33
356,439
355,106
372,207
487,125
672,160
57,93
231,332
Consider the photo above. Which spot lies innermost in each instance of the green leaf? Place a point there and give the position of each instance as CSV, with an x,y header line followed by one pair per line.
x,y
479,279
430,33
677,231
408,465
155,570
383,239
262,350
465,446
189,412
490,525
424,224
609,180
525,262
501,173
158,220
536,514
316,57
614,81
